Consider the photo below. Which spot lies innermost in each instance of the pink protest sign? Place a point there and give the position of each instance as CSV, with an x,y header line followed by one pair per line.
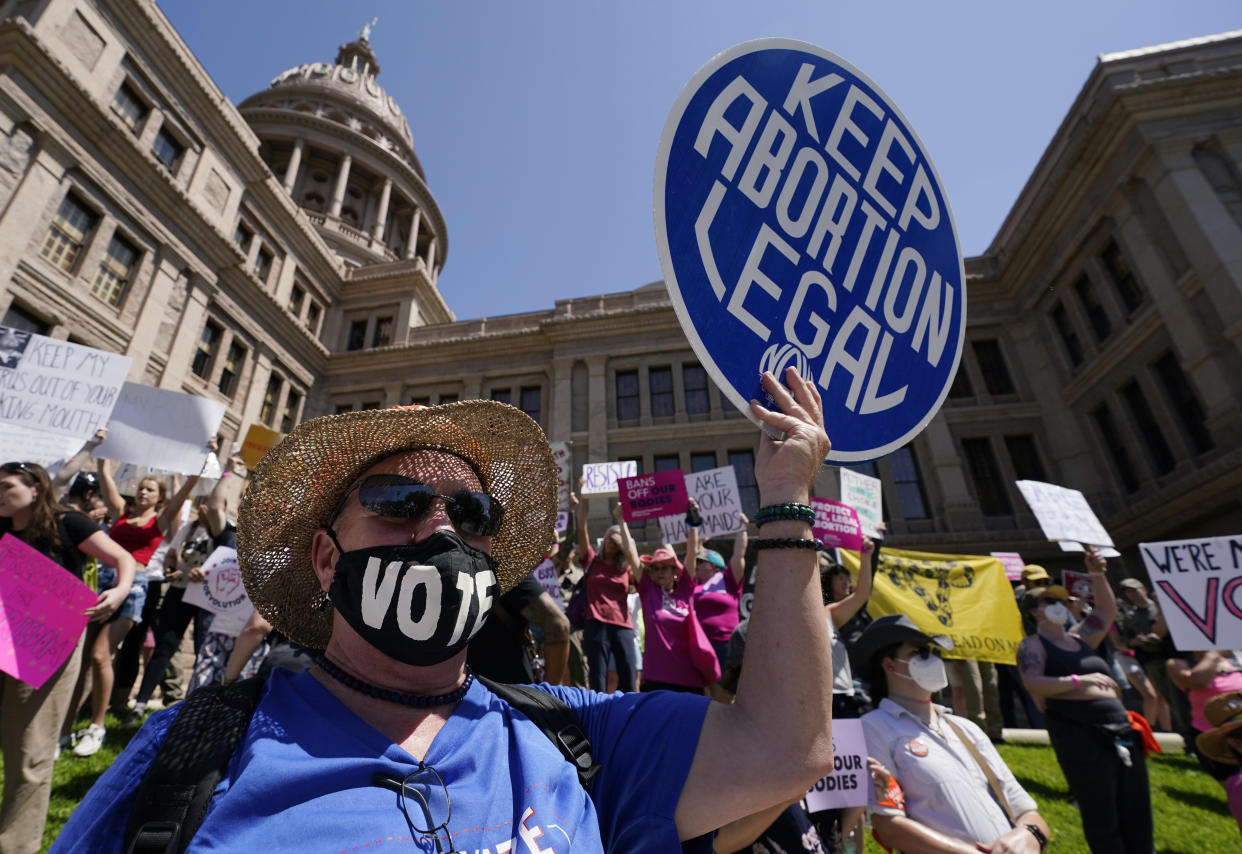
x,y
648,496
837,525
1013,563
42,612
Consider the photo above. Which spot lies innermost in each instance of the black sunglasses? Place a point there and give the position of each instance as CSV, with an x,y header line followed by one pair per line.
x,y
475,513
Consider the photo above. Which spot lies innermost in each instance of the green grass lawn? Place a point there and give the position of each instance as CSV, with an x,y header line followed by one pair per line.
x,y
1191,815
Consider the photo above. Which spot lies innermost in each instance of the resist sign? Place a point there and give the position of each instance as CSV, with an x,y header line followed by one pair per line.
x,y
1198,584
650,495
42,612
800,222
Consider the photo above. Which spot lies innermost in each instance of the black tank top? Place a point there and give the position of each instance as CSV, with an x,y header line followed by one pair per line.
x,y
1078,662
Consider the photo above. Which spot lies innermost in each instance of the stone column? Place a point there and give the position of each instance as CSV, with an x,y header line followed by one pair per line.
x,y
185,341
431,254
960,508
597,434
30,198
381,215
260,374
342,180
560,407
471,386
295,162
1207,372
1212,240
165,278
415,223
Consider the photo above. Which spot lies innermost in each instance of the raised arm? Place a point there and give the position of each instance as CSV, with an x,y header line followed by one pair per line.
x,y
248,640
737,563
842,611
1094,629
78,461
107,489
628,550
217,504
171,514
578,508
692,534
775,740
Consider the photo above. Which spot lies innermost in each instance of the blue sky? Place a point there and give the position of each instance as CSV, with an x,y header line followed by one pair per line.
x,y
537,122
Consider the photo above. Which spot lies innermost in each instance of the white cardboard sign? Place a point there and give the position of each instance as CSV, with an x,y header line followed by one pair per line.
x,y
221,591
163,429
1198,584
35,446
564,471
850,781
54,386
601,478
862,492
719,503
1063,513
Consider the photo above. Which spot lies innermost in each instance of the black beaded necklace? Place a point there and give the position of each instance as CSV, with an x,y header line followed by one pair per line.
x,y
420,701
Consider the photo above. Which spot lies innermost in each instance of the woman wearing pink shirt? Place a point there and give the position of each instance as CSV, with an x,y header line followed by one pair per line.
x,y
608,625
667,595
717,588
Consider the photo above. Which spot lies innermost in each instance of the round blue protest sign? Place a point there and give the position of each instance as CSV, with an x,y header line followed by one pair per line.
x,y
800,222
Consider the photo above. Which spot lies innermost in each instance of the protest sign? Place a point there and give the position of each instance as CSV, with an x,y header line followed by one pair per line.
x,y
799,221
1198,584
564,472
850,780
719,503
862,492
966,597
54,386
259,440
601,478
1105,551
1063,513
1013,563
42,612
163,429
648,496
1077,583
562,521
836,524
221,590
550,580
36,446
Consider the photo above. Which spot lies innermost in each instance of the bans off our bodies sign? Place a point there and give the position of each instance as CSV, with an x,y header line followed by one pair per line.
x,y
800,222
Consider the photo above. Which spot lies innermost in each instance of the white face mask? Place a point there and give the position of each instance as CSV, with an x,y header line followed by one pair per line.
x,y
928,673
1055,612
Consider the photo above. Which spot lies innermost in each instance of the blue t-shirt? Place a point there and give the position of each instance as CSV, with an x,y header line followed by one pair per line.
x,y
302,778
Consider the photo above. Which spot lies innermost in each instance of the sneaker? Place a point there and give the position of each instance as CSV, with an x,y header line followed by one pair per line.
x,y
89,741
63,742
135,716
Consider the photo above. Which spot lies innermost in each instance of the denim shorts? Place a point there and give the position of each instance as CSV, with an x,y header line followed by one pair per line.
x,y
131,608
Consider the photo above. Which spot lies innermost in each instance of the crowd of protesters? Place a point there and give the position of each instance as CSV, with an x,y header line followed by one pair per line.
x,y
1100,673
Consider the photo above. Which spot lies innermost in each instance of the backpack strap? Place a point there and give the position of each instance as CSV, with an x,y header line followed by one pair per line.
x,y
172,799
555,718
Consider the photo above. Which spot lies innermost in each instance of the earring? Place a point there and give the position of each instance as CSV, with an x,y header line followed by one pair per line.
x,y
324,602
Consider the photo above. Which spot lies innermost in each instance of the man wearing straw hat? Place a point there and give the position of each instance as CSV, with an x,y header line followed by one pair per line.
x,y
382,538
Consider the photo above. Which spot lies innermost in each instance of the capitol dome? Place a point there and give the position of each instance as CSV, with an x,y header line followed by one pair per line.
x,y
342,147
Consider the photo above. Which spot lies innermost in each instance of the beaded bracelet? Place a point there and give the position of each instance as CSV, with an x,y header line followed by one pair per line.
x,y
787,543
782,512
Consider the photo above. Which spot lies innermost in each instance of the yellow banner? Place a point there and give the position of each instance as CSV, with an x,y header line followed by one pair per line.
x,y
965,597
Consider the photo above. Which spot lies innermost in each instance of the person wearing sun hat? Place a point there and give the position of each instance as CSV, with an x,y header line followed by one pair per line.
x,y
950,779
380,539
1223,743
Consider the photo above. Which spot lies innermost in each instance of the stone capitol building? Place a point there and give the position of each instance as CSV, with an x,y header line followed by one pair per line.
x,y
281,256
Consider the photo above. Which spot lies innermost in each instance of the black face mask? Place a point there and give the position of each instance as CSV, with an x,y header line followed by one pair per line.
x,y
419,604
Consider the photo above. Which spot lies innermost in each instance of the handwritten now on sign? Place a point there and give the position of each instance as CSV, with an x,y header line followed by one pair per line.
x,y
1198,584
42,612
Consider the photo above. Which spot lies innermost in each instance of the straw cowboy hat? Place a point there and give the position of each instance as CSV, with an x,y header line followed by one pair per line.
x,y
1224,713
298,483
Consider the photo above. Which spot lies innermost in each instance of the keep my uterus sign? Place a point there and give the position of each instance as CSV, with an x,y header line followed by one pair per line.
x,y
800,222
